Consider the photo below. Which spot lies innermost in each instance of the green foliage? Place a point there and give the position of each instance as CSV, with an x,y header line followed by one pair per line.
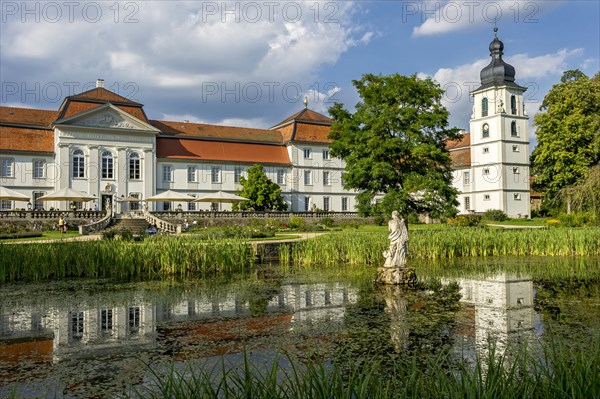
x,y
577,219
297,223
395,143
586,195
465,221
262,193
568,133
327,222
495,215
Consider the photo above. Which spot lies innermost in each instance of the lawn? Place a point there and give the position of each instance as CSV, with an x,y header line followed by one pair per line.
x,y
46,235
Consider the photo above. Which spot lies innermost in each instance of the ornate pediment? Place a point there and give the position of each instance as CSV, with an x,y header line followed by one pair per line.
x,y
107,119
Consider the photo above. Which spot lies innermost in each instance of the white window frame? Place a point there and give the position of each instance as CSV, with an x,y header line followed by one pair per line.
x,y
7,168
307,153
344,204
281,177
237,174
215,175
467,178
515,148
486,197
5,205
39,205
486,150
326,154
39,168
78,164
486,171
167,173
307,203
135,166
108,165
516,170
467,203
192,174
308,180
517,196
326,204
326,178
135,206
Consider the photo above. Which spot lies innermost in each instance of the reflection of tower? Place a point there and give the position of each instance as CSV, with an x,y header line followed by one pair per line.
x,y
503,310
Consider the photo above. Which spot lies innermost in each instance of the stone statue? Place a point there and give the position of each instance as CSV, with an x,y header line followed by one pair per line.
x,y
394,271
396,255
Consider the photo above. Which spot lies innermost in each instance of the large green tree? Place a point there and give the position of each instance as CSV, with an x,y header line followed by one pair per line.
x,y
394,144
263,194
568,134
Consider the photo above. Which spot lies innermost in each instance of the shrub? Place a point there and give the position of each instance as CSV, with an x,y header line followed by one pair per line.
x,y
108,234
297,223
126,235
576,219
328,222
495,214
465,221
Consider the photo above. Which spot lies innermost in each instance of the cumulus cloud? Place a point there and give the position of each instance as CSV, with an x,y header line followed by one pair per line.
x,y
439,17
535,73
171,50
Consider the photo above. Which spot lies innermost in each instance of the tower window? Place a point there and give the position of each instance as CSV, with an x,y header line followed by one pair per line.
x,y
486,197
513,105
485,130
484,107
513,129
486,150
515,148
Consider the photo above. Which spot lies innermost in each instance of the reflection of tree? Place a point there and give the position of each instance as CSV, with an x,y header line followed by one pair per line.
x,y
569,303
390,323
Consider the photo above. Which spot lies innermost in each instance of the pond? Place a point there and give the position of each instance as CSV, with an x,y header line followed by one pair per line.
x,y
80,339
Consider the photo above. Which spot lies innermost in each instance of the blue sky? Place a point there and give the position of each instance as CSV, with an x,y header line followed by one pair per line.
x,y
251,63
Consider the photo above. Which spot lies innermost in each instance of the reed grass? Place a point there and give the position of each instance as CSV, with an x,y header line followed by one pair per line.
x,y
350,247
154,258
558,371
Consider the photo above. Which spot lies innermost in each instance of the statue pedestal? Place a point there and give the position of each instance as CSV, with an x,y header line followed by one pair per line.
x,y
396,276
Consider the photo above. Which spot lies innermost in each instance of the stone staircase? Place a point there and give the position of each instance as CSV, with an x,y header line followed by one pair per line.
x,y
136,226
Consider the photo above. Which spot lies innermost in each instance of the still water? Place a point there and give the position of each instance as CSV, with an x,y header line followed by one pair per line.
x,y
80,339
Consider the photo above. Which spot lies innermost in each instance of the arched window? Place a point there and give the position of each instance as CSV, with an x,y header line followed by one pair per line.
x,y
513,105
513,129
484,107
107,165
134,166
78,164
485,130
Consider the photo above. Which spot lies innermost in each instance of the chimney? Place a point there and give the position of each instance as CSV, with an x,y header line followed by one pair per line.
x,y
100,83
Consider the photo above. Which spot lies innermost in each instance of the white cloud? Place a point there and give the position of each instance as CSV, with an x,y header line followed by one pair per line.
x,y
536,73
319,101
439,17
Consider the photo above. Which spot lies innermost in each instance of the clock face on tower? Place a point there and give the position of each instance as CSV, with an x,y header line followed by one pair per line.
x,y
486,130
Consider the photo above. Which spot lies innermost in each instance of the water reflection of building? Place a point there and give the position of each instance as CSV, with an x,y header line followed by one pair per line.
x,y
55,333
499,309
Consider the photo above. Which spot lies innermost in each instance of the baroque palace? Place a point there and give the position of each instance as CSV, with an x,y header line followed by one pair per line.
x,y
104,145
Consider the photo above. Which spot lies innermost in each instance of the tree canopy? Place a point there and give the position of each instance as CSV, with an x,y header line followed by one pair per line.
x,y
395,145
568,133
263,194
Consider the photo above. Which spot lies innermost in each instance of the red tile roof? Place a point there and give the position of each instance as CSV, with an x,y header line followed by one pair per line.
x,y
24,139
312,133
215,132
208,150
461,157
464,141
75,107
100,94
306,115
27,116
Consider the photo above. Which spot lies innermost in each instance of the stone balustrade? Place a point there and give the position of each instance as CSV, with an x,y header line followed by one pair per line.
x,y
252,215
94,227
162,225
51,215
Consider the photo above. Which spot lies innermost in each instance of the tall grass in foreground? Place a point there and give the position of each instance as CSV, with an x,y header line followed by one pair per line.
x,y
560,371
159,257
348,247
